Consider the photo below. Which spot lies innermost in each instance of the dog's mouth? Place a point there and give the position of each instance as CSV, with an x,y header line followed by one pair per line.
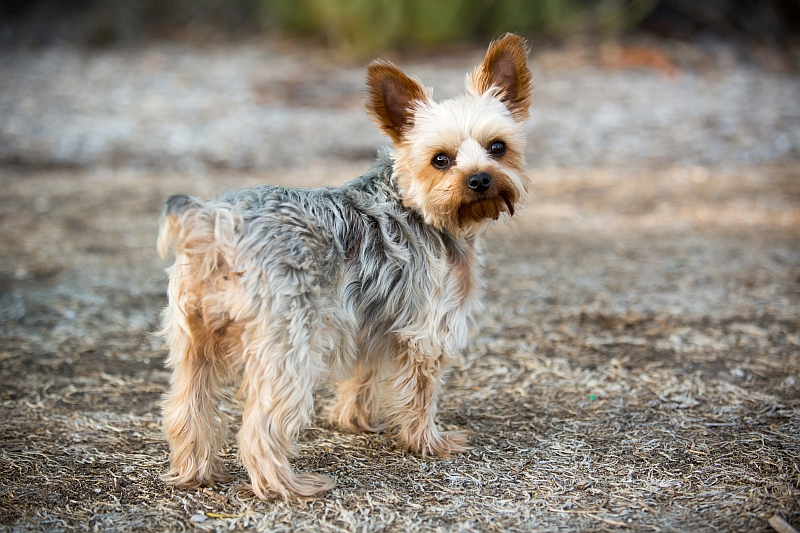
x,y
488,207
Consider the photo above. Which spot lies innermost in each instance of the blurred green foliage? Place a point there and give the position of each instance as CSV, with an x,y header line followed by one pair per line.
x,y
370,25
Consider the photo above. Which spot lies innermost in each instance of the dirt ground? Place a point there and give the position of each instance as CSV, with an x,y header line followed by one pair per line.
x,y
637,366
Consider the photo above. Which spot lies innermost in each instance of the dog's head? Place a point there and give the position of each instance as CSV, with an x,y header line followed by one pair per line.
x,y
459,162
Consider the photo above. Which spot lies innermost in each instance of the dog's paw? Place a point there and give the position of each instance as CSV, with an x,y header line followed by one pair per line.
x,y
352,421
457,441
299,487
310,486
353,418
450,442
439,444
187,478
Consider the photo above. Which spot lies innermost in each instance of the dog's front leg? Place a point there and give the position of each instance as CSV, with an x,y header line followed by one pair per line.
x,y
411,405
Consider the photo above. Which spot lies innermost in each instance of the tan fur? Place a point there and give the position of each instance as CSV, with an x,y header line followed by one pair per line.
x,y
359,402
414,387
192,422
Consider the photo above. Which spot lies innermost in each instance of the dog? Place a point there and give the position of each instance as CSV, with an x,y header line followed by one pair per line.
x,y
373,284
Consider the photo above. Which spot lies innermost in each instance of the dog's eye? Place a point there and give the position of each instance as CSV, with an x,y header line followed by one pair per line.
x,y
497,148
441,161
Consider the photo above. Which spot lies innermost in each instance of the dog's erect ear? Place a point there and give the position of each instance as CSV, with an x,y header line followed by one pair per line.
x,y
506,67
391,97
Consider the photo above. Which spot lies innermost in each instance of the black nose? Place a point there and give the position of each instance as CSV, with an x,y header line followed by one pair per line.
x,y
479,182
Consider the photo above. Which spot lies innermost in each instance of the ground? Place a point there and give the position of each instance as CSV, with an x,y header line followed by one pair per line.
x,y
637,365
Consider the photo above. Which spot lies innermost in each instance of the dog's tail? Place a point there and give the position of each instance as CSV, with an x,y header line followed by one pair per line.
x,y
176,217
202,230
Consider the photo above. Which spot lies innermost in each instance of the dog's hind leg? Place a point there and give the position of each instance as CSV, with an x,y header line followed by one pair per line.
x,y
358,406
193,424
282,365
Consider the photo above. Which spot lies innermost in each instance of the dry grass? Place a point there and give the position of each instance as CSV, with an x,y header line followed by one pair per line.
x,y
637,367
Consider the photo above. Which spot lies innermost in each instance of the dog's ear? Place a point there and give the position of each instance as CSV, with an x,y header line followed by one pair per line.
x,y
391,97
506,67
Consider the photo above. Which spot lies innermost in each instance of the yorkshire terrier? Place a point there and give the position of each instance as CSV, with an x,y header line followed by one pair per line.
x,y
373,283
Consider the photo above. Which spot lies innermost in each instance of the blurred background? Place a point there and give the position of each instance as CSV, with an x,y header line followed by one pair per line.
x,y
647,297
367,26
647,116
193,84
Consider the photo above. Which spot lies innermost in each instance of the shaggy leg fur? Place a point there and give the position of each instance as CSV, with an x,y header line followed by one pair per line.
x,y
412,405
359,402
279,379
192,422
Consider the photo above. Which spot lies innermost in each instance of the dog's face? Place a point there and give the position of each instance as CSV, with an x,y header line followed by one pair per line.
x,y
460,162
